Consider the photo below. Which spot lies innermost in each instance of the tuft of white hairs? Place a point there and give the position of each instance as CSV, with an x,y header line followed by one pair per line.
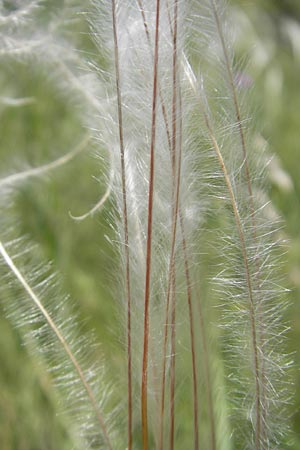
x,y
182,141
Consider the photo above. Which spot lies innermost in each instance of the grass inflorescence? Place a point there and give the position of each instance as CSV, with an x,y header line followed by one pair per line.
x,y
184,197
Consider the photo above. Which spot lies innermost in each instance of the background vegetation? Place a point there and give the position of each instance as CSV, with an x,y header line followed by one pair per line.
x,y
48,126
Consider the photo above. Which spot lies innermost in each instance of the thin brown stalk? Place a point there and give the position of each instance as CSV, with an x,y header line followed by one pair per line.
x,y
163,107
236,106
170,296
173,360
187,275
164,112
163,382
175,88
191,320
173,31
192,335
168,291
169,18
189,295
171,277
144,412
61,339
175,196
210,405
125,220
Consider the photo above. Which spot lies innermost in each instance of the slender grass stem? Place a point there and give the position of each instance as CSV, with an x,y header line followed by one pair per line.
x,y
192,335
175,197
164,112
163,107
125,220
144,393
176,86
163,382
236,104
210,404
190,307
172,153
173,360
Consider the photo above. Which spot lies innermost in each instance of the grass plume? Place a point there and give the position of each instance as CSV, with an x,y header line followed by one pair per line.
x,y
160,98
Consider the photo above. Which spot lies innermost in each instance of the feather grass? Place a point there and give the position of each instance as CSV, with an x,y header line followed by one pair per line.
x,y
171,116
75,376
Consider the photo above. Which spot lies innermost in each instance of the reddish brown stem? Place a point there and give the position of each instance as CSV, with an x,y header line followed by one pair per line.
x,y
192,334
125,220
163,107
144,412
175,197
171,276
206,358
173,359
170,144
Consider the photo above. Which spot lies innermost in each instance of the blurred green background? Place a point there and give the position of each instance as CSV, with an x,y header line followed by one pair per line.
x,y
268,32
